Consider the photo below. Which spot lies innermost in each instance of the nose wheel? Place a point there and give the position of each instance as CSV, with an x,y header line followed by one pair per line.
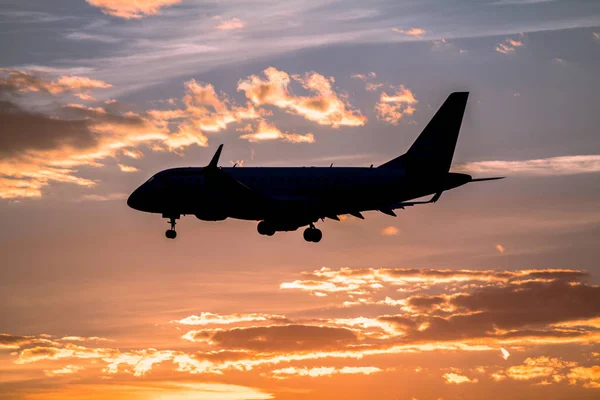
x,y
312,234
171,234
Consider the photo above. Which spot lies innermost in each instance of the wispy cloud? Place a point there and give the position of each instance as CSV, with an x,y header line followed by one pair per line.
x,y
369,79
416,32
92,37
231,24
207,318
451,377
104,197
553,166
23,81
265,132
67,370
508,46
127,168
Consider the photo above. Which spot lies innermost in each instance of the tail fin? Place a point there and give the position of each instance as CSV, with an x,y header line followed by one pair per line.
x,y
431,153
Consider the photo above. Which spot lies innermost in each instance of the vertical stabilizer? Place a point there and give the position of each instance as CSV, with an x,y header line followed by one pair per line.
x,y
432,152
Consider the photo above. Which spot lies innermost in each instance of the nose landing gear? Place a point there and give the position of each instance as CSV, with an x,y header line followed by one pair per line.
x,y
312,234
171,234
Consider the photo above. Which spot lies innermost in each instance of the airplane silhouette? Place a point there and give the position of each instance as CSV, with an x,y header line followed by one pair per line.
x,y
285,199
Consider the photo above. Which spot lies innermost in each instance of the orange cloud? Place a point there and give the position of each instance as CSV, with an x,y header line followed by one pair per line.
x,y
410,32
69,350
233,23
590,376
466,311
325,107
458,379
103,197
127,168
323,371
500,248
505,353
348,280
389,231
265,131
129,9
69,369
12,80
537,367
364,77
83,339
392,108
207,318
508,46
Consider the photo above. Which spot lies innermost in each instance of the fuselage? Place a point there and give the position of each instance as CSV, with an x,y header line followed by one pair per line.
x,y
283,192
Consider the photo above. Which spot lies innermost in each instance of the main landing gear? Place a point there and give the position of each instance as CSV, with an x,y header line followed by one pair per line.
x,y
171,234
312,234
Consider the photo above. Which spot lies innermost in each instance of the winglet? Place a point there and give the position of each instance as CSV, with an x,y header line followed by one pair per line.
x,y
215,159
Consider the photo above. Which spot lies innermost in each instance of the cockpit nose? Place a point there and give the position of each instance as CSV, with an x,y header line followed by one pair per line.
x,y
135,199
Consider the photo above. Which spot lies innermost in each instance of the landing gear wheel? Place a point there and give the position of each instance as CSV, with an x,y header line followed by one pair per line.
x,y
313,234
264,228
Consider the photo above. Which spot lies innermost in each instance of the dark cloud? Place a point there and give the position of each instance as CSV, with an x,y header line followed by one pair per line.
x,y
400,321
22,130
288,337
534,304
10,341
425,301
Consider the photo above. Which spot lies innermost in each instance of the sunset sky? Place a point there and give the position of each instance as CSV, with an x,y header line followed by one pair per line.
x,y
490,293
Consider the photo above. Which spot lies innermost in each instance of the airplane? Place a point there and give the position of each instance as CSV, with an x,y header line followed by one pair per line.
x,y
287,198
